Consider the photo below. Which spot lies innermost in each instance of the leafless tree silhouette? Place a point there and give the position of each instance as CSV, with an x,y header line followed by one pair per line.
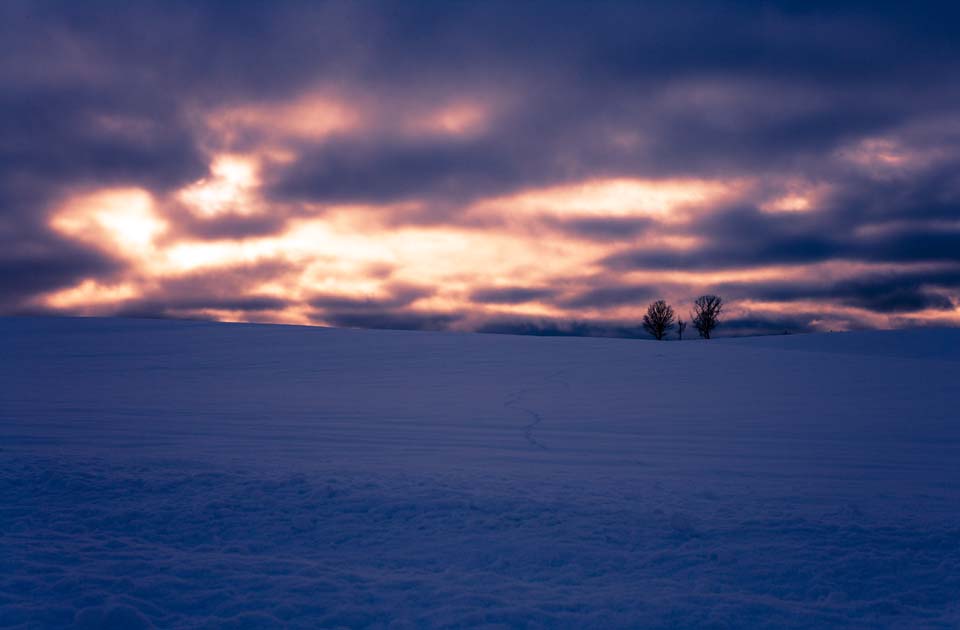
x,y
706,314
659,319
681,326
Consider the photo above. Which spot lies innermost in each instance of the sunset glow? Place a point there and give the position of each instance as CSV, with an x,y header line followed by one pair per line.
x,y
228,189
116,220
339,183
666,201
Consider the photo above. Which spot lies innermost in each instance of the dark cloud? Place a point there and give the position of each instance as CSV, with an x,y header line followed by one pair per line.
x,y
767,324
390,311
562,328
749,237
511,295
390,320
399,295
387,173
602,228
199,307
606,296
98,95
28,268
883,293
708,91
232,226
197,295
223,282
911,246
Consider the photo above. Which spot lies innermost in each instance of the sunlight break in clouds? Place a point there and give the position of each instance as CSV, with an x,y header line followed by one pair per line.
x,y
665,200
450,167
228,189
117,220
339,254
333,254
90,296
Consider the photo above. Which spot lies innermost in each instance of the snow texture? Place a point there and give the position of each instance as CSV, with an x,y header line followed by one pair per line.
x,y
197,475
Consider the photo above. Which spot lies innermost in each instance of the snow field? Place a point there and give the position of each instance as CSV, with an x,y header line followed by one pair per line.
x,y
193,475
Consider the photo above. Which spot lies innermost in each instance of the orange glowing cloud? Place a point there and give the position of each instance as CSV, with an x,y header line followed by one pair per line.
x,y
665,200
120,221
458,119
229,189
314,116
90,295
332,254
360,253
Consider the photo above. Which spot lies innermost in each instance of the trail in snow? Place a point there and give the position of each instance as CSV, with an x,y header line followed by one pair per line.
x,y
513,401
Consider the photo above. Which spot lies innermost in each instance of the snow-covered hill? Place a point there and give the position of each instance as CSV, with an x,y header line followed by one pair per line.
x,y
188,474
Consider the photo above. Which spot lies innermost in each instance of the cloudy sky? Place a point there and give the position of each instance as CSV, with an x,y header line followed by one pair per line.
x,y
511,167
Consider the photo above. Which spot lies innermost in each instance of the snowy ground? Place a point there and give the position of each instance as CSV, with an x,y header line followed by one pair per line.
x,y
195,475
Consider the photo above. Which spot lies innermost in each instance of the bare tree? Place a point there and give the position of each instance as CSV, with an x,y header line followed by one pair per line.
x,y
659,319
706,314
681,326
